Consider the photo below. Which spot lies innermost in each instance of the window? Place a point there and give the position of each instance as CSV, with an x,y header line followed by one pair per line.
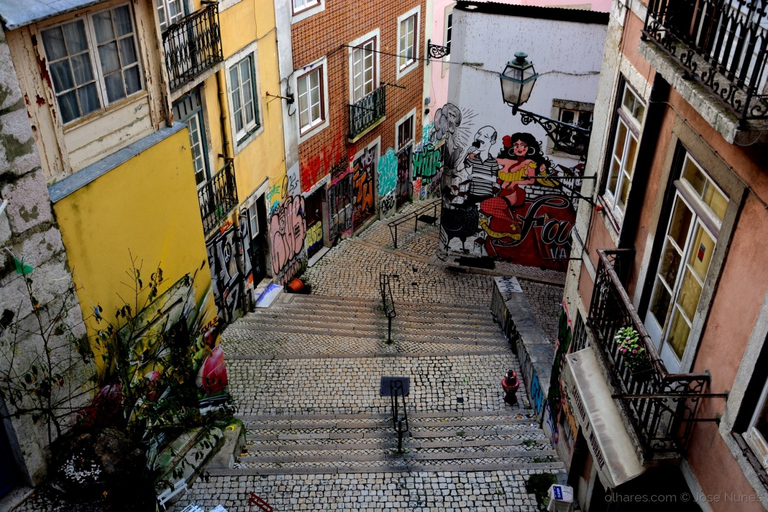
x,y
756,435
364,61
242,93
621,165
311,105
407,41
691,235
93,61
189,111
405,130
582,118
303,5
448,35
169,12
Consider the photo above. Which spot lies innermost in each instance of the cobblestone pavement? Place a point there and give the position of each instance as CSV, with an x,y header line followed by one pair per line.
x,y
305,375
318,432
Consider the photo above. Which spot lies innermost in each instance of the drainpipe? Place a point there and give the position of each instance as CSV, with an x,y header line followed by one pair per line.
x,y
222,86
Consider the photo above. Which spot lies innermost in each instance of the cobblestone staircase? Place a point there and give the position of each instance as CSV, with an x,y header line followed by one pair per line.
x,y
306,375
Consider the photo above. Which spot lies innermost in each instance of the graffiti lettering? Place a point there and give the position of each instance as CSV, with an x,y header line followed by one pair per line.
x,y
224,258
533,219
314,235
426,163
340,207
404,184
537,394
317,166
387,205
363,168
387,172
287,230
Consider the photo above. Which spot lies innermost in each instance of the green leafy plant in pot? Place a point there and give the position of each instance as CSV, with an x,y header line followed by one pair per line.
x,y
632,350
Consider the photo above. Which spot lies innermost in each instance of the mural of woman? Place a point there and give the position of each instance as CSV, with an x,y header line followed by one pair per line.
x,y
522,161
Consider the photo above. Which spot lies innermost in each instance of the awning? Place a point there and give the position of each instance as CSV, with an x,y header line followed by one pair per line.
x,y
590,399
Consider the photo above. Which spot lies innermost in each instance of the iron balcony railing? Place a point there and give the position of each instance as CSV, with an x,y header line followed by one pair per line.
x,y
192,45
366,112
218,197
660,406
721,43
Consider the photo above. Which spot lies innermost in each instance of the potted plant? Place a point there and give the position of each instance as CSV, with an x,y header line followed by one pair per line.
x,y
633,352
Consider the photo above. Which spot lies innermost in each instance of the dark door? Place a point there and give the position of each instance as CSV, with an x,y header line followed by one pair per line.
x,y
257,223
314,216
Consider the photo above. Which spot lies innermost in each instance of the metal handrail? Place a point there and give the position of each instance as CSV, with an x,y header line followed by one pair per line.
x,y
218,196
661,406
388,302
367,111
192,45
399,421
415,215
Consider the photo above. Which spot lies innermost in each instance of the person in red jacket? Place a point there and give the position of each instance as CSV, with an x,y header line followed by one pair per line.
x,y
510,384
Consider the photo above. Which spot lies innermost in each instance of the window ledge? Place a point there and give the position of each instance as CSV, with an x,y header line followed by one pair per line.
x,y
366,131
704,101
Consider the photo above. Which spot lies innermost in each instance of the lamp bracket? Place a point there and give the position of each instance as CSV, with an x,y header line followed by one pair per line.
x,y
567,138
435,51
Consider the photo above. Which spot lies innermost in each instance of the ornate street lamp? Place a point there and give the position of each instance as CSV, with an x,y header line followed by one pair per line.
x,y
517,82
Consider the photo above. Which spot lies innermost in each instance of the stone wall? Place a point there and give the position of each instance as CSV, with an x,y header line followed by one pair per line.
x,y
29,234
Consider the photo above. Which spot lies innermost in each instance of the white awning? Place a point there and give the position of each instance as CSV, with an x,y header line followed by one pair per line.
x,y
590,398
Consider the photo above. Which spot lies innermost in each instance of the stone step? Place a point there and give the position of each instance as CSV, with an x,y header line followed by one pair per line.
x,y
395,463
289,302
369,330
421,321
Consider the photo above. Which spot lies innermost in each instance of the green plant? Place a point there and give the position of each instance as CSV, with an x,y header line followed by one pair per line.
x,y
632,349
539,485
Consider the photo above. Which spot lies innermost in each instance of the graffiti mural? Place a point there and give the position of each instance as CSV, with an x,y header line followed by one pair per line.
x,y
387,205
287,231
227,272
340,196
426,163
245,240
387,172
319,165
404,188
362,181
501,194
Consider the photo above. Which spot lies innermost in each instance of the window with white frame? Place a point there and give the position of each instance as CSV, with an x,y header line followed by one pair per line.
x,y
93,61
698,210
407,40
303,5
628,122
448,34
311,92
405,130
756,434
188,110
243,98
169,12
364,68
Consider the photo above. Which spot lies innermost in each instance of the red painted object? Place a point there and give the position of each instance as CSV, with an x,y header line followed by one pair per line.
x,y
259,502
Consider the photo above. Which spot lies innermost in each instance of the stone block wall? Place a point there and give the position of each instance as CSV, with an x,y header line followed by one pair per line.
x,y
28,234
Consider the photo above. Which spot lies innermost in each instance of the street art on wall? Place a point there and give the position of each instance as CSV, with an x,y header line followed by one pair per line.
x,y
287,231
227,271
362,180
404,189
340,196
387,172
506,203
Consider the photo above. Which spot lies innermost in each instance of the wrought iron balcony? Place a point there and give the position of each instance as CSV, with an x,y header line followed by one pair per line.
x,y
366,112
720,43
218,197
660,406
192,45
